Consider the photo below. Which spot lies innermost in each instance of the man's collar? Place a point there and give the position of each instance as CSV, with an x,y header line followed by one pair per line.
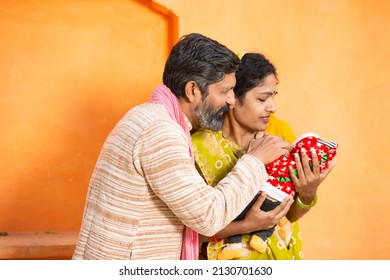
x,y
188,123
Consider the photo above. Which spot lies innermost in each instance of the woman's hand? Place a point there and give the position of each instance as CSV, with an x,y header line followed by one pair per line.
x,y
307,181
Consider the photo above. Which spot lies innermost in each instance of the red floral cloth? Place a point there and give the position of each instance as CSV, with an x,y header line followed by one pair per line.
x,y
279,184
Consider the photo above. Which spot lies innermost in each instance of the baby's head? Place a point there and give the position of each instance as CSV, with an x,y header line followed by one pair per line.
x,y
325,150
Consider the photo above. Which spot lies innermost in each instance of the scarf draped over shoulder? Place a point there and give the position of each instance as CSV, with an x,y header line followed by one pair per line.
x,y
163,95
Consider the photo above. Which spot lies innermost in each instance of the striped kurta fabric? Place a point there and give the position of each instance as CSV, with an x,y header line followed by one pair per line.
x,y
145,187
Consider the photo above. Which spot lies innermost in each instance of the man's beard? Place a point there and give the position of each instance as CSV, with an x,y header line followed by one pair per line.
x,y
209,117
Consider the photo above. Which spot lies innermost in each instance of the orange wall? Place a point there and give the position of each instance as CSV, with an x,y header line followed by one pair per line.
x,y
70,69
333,63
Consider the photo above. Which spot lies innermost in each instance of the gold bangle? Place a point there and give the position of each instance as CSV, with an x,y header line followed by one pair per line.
x,y
306,206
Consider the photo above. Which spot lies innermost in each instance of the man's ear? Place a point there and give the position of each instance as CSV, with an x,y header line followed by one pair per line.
x,y
192,91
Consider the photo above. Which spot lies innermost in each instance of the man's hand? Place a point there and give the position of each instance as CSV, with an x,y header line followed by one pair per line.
x,y
256,219
268,148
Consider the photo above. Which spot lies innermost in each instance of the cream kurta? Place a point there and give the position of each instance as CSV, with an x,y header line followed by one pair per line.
x,y
145,186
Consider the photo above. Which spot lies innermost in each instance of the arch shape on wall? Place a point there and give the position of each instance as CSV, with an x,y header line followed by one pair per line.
x,y
171,18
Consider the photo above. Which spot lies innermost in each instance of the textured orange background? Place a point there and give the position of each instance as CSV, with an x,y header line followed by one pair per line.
x,y
70,69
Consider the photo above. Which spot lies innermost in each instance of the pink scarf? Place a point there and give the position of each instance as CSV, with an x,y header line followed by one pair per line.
x,y
163,95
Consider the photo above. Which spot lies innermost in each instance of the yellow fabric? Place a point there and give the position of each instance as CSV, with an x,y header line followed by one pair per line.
x,y
280,128
215,156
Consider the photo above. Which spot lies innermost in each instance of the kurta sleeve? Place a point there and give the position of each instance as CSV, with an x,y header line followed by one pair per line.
x,y
169,170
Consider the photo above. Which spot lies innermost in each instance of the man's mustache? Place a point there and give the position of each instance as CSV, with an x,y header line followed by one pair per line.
x,y
223,109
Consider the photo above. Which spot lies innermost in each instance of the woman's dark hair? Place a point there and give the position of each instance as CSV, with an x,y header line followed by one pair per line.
x,y
253,69
198,58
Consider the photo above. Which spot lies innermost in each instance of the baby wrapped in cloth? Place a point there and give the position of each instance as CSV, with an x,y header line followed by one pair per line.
x,y
278,186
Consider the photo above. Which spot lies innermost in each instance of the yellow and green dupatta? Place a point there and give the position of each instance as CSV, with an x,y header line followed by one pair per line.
x,y
215,156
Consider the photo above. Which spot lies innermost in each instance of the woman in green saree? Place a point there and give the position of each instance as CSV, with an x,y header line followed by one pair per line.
x,y
217,152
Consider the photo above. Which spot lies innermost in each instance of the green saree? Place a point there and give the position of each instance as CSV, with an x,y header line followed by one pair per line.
x,y
215,156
